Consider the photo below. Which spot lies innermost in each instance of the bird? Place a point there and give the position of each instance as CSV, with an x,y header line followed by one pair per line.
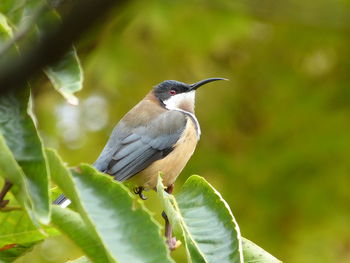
x,y
159,134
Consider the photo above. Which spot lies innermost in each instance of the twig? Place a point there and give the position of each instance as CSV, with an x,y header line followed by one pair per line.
x,y
10,208
17,36
55,41
7,186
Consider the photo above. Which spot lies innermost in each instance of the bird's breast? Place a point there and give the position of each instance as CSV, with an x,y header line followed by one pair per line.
x,y
171,165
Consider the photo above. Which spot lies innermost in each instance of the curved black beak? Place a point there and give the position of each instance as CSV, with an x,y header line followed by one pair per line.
x,y
195,86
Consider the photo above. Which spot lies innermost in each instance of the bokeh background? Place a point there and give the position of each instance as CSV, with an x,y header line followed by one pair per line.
x,y
275,138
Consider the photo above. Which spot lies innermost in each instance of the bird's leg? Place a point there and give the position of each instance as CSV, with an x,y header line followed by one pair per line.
x,y
7,186
171,241
139,191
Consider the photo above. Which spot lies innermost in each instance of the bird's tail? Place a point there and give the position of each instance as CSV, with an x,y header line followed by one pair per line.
x,y
62,201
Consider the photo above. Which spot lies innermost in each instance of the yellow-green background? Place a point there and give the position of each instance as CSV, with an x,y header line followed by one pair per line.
x,y
275,138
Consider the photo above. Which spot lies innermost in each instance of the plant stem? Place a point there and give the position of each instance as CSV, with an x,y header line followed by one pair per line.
x,y
10,208
7,186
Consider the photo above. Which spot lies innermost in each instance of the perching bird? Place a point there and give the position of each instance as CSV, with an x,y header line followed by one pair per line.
x,y
159,134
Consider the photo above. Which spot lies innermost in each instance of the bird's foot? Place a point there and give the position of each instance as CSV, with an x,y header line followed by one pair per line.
x,y
173,243
139,191
7,186
170,240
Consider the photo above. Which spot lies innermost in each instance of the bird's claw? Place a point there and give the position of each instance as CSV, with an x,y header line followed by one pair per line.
x,y
139,192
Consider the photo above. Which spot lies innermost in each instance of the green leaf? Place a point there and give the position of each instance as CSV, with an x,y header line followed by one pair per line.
x,y
14,251
5,29
62,176
19,131
71,224
122,223
20,10
120,218
67,76
6,35
204,221
17,228
255,254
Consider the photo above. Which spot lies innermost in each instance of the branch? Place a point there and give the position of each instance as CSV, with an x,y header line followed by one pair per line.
x,y
54,42
7,186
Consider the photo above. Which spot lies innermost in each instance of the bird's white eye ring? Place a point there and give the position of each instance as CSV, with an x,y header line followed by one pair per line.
x,y
172,92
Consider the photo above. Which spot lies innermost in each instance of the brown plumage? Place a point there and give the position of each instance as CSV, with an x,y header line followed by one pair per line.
x,y
159,134
172,165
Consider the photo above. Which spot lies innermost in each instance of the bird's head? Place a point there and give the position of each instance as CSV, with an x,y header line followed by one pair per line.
x,y
175,95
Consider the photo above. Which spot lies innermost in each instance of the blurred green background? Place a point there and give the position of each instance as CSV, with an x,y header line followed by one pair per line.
x,y
275,138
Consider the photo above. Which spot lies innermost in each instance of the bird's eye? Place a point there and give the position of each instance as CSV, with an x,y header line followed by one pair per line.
x,y
172,92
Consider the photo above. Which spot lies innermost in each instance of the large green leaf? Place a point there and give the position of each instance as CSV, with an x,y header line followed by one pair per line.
x,y
67,76
255,254
62,176
71,224
19,131
204,221
122,223
120,218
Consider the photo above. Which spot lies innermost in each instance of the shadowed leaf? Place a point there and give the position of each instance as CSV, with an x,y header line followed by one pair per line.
x,y
19,131
9,169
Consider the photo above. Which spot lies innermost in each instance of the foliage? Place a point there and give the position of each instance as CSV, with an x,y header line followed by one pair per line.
x,y
109,224
18,129
66,76
275,139
108,214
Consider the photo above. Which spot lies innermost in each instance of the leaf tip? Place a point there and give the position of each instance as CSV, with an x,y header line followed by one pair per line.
x,y
45,220
72,100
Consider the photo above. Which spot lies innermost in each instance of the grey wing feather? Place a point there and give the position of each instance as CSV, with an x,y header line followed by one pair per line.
x,y
130,150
